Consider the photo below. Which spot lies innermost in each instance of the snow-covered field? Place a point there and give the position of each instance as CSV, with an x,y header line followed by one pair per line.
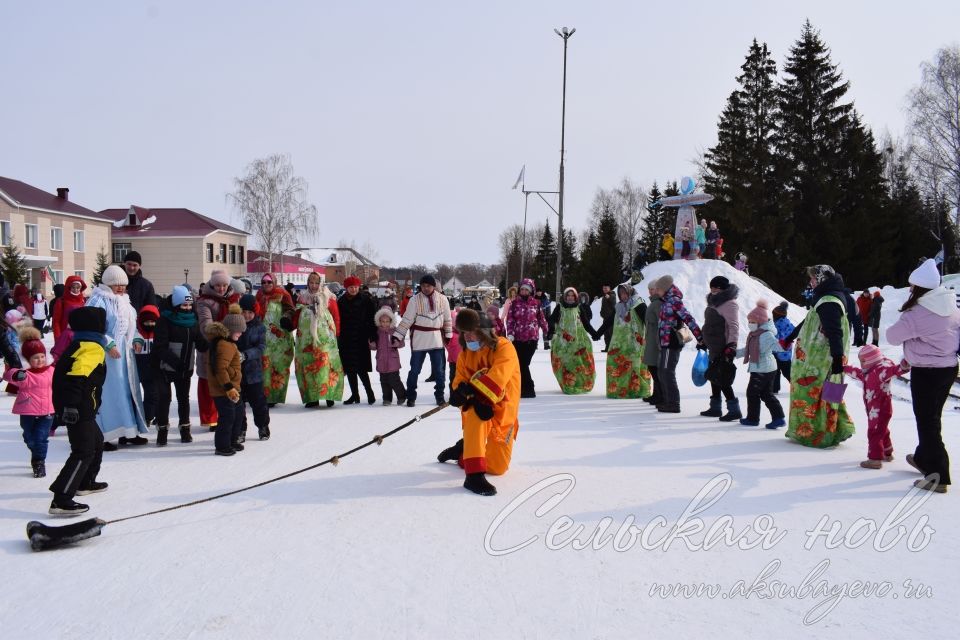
x,y
388,544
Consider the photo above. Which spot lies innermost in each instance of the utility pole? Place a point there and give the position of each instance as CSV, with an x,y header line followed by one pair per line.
x,y
565,34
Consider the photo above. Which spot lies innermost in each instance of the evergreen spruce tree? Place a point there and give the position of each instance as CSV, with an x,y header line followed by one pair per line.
x,y
739,169
13,266
601,261
913,220
545,261
569,261
654,225
103,261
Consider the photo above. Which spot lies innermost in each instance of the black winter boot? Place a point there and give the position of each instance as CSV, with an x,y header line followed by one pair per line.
x,y
39,469
263,433
185,434
733,411
715,410
477,482
452,453
162,436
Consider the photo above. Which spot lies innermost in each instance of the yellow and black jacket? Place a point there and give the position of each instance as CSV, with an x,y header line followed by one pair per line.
x,y
78,378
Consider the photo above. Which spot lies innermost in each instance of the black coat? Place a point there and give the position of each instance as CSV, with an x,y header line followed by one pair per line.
x,y
140,291
174,346
84,360
357,329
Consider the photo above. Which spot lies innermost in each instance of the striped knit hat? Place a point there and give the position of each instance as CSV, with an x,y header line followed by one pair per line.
x,y
870,356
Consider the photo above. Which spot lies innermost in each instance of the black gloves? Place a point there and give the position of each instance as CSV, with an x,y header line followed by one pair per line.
x,y
20,376
70,415
701,346
286,324
461,395
483,410
730,352
837,366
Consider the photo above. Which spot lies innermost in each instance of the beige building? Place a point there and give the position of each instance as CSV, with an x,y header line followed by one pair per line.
x,y
57,237
177,245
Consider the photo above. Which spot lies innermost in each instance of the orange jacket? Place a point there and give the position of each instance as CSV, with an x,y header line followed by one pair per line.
x,y
503,381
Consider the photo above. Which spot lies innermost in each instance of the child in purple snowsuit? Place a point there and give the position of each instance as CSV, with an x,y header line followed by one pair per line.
x,y
875,373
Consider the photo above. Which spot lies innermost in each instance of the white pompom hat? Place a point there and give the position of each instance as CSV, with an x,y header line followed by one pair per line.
x,y
926,275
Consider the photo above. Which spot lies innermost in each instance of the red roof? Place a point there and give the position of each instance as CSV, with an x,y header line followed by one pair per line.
x,y
257,263
30,197
167,222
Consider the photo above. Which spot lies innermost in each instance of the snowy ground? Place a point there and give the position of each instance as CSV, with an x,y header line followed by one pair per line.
x,y
388,544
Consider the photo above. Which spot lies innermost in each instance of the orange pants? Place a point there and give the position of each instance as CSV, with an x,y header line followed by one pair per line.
x,y
208,410
487,446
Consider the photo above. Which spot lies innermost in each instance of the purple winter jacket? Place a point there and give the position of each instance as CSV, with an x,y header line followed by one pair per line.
x,y
929,331
672,310
388,358
525,320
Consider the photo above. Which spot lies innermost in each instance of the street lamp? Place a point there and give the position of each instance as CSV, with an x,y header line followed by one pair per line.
x,y
186,276
565,34
526,197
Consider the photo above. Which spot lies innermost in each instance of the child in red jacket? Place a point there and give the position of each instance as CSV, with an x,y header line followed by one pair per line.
x,y
875,373
34,402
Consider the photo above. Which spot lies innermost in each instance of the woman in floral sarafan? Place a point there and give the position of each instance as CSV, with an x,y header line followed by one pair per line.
x,y
627,377
823,339
276,311
317,358
571,348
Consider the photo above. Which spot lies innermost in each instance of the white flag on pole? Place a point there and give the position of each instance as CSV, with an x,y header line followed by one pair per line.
x,y
520,177
939,257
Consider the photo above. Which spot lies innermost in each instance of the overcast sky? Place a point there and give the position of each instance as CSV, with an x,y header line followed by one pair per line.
x,y
409,120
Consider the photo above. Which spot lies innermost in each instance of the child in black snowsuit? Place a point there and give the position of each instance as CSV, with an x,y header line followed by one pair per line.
x,y
252,344
143,348
77,385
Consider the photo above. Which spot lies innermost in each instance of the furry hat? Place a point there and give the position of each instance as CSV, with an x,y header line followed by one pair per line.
x,y
88,319
870,356
32,341
576,294
181,295
234,321
218,277
385,312
820,272
470,320
759,314
926,275
114,276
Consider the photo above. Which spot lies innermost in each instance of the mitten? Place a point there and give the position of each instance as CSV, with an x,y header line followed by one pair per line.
x,y
730,352
70,415
233,395
20,376
484,411
461,395
286,324
837,366
701,346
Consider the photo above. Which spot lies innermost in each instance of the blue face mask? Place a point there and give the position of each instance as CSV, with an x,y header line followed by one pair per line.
x,y
473,345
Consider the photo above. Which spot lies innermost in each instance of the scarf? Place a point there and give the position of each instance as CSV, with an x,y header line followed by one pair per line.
x,y
180,318
753,346
316,303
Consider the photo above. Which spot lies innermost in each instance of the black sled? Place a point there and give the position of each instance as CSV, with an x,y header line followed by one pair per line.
x,y
43,537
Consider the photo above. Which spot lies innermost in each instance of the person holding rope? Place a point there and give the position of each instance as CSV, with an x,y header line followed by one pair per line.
x,y
486,388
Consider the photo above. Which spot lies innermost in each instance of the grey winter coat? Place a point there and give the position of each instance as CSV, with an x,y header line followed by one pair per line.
x,y
721,321
651,336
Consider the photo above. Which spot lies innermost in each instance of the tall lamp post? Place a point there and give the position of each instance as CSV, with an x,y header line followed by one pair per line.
x,y
564,33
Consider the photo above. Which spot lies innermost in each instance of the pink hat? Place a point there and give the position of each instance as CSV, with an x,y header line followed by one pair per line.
x,y
759,315
870,356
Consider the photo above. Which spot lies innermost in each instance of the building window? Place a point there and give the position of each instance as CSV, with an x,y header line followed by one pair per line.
x,y
223,253
31,236
78,241
209,252
57,276
56,239
233,254
5,233
79,274
241,258
120,249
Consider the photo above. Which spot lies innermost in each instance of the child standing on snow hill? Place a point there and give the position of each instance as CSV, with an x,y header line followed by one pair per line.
x,y
388,357
741,263
666,247
875,373
34,403
785,357
761,344
143,350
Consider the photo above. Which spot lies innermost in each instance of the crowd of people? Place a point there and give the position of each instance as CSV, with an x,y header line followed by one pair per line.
x,y
118,351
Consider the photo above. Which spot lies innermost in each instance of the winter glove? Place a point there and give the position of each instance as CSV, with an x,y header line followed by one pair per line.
x,y
70,415
730,352
233,395
20,376
837,366
286,324
394,343
461,395
483,410
701,346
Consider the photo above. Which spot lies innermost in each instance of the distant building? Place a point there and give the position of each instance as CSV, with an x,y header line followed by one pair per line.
x,y
341,262
453,286
293,268
177,245
57,237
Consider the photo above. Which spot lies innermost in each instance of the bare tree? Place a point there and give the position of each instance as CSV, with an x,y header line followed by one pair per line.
x,y
934,126
271,202
630,206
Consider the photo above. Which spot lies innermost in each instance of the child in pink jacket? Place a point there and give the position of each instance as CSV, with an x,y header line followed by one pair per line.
x,y
34,402
875,373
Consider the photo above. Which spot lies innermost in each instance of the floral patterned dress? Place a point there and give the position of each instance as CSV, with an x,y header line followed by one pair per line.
x,y
814,422
317,363
571,353
627,377
277,356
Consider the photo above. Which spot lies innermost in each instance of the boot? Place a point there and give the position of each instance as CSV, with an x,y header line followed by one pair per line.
x,y
453,453
669,407
477,482
263,433
39,469
352,400
185,433
733,411
162,436
872,464
63,506
329,403
715,410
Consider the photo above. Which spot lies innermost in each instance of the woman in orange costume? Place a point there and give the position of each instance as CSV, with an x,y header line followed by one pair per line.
x,y
487,391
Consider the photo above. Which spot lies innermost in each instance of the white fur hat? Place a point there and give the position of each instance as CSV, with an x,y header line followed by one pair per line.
x,y
114,276
926,275
385,311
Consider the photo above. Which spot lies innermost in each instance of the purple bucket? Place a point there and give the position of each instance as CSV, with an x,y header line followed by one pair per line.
x,y
832,392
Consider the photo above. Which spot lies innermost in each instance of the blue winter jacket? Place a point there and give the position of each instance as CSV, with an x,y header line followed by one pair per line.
x,y
784,329
769,345
252,344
